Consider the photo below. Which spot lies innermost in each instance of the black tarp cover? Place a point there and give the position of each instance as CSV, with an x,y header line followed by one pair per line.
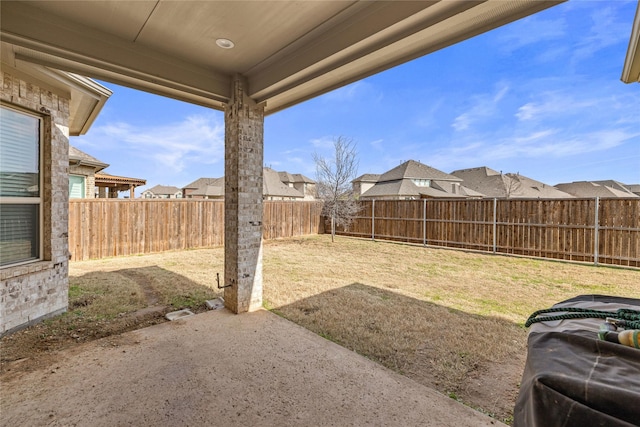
x,y
571,378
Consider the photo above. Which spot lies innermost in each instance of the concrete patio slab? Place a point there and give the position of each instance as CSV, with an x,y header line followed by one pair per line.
x,y
221,369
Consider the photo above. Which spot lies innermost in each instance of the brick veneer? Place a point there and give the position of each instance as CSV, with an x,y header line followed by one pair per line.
x,y
34,291
244,124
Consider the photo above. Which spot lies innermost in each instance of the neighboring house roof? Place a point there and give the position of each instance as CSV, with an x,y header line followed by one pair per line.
x,y
367,177
214,190
524,187
163,189
634,188
398,182
615,185
594,189
456,189
273,187
80,158
416,170
492,183
287,178
202,182
401,187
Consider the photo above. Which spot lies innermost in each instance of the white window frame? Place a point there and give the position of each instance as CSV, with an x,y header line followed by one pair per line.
x,y
31,200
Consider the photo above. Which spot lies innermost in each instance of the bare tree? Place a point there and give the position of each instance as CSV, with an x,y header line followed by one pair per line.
x,y
513,184
334,176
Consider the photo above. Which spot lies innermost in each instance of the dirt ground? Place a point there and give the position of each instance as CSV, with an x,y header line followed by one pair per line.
x,y
39,346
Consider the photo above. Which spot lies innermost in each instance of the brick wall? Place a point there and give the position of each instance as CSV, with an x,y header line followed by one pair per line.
x,y
37,290
244,128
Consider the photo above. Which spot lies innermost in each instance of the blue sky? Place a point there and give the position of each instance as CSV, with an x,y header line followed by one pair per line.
x,y
541,96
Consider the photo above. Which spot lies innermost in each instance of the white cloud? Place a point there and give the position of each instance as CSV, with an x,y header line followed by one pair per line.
x,y
482,106
558,104
531,30
461,122
377,144
604,31
172,153
196,139
551,143
324,142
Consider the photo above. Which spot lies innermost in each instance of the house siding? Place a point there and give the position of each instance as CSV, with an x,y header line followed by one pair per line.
x,y
34,291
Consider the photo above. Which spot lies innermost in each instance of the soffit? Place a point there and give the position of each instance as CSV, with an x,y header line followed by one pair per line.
x,y
86,97
631,68
289,51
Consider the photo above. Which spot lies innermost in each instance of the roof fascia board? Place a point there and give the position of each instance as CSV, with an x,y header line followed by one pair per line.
x,y
34,74
23,25
84,85
91,95
631,68
75,161
157,86
94,95
341,33
316,82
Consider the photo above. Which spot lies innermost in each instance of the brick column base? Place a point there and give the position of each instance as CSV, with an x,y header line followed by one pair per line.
x,y
243,158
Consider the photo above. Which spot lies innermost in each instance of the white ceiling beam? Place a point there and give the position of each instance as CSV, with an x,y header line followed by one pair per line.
x,y
631,68
73,47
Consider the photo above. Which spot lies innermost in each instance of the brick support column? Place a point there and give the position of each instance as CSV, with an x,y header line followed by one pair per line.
x,y
243,157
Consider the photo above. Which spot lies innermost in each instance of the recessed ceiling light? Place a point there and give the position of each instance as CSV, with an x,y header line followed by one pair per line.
x,y
225,43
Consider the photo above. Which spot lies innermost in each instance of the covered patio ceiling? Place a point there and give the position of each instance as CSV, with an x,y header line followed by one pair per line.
x,y
289,51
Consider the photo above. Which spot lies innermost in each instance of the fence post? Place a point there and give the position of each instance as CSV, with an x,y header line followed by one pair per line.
x,y
596,232
424,222
495,225
373,219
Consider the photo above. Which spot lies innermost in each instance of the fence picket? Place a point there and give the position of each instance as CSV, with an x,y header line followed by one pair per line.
x,y
605,231
100,228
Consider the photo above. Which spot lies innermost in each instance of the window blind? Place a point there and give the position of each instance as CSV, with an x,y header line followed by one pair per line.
x,y
19,154
18,233
20,201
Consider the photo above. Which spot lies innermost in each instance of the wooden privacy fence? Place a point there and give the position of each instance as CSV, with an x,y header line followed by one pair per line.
x,y
100,228
600,231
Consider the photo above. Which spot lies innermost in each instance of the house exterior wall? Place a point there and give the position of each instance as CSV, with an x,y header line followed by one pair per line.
x,y
89,174
147,194
361,187
306,188
36,290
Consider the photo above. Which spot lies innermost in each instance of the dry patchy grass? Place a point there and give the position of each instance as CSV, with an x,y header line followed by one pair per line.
x,y
451,320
